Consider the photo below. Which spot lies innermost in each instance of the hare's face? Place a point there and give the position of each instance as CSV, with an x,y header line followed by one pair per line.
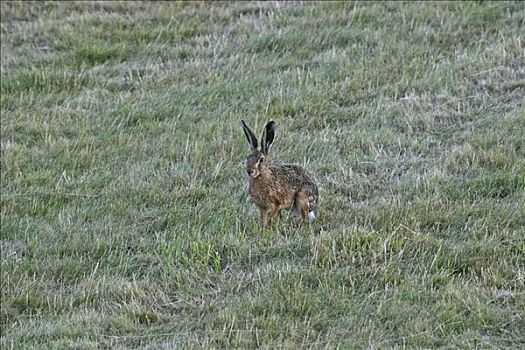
x,y
255,163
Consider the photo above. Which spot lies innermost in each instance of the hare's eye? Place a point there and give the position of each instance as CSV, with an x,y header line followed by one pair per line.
x,y
261,159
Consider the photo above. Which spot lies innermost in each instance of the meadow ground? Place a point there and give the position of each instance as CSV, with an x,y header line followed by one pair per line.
x,y
125,221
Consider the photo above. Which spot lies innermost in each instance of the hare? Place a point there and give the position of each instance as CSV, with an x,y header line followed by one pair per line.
x,y
274,187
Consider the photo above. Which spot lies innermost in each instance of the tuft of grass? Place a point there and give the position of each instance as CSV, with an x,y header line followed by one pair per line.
x,y
125,221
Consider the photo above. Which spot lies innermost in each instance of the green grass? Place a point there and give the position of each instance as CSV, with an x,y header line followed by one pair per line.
x,y
125,221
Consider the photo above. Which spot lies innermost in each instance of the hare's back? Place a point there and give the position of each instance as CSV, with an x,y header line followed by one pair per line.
x,y
296,177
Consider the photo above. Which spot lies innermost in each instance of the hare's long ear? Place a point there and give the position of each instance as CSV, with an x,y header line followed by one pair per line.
x,y
252,140
267,136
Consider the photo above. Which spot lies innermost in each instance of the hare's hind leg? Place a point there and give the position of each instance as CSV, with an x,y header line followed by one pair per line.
x,y
302,205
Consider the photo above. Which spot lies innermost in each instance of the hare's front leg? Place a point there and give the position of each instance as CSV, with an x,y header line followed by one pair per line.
x,y
274,211
264,213
267,214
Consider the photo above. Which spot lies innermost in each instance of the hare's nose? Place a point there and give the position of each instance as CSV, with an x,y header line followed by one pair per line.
x,y
249,172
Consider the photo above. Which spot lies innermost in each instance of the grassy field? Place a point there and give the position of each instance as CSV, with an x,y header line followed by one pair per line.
x,y
125,221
